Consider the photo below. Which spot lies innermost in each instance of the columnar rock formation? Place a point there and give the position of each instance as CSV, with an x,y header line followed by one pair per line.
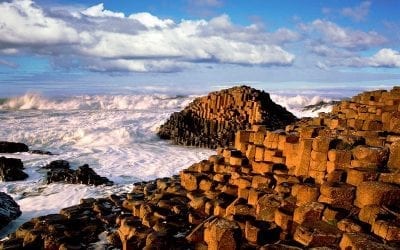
x,y
331,181
211,121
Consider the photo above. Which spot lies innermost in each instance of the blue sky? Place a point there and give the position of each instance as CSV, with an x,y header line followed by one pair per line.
x,y
191,44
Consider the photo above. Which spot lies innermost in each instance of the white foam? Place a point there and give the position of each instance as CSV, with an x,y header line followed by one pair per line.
x,y
296,104
96,102
115,135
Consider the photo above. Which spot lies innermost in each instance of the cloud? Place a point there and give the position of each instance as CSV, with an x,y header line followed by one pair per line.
x,y
346,38
357,13
385,58
99,11
103,40
23,23
8,64
151,21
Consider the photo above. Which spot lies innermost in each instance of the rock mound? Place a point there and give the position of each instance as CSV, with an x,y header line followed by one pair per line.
x,y
11,169
12,147
211,121
9,209
59,171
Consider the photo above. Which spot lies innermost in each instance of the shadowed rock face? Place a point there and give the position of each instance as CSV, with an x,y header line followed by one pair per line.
x,y
12,147
11,169
211,121
9,209
59,171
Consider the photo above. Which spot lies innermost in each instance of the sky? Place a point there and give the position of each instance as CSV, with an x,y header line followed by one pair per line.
x,y
193,44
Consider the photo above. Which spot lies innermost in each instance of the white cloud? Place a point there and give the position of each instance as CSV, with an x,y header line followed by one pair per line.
x,y
385,58
151,21
357,13
99,11
104,40
22,22
344,37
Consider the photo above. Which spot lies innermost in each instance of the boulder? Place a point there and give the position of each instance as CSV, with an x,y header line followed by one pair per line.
x,y
60,172
12,147
9,209
11,169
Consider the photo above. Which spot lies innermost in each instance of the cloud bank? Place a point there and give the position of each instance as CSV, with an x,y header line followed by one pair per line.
x,y
104,40
98,39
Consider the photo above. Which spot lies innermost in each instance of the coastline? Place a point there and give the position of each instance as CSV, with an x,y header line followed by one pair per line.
x,y
204,175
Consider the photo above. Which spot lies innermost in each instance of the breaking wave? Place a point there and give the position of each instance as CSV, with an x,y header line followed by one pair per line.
x,y
96,102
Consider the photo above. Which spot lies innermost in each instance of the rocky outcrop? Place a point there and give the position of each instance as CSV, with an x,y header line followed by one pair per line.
x,y
330,182
211,121
9,209
11,169
59,171
12,147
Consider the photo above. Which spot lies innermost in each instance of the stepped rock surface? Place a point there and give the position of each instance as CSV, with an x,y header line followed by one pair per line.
x,y
211,121
330,182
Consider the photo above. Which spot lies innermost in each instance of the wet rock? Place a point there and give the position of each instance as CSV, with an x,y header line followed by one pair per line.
x,y
11,169
61,164
9,209
40,152
12,147
60,172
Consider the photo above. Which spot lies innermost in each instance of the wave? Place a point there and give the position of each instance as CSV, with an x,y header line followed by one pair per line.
x,y
296,104
96,102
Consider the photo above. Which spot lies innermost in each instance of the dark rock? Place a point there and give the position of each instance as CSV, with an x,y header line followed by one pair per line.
x,y
61,164
60,172
12,147
212,121
11,169
40,152
9,209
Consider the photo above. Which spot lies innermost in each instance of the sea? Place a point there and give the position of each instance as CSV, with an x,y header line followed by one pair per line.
x,y
114,131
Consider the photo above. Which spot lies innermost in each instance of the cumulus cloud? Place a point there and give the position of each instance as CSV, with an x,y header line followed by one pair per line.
x,y
357,13
385,58
22,23
104,40
99,11
333,34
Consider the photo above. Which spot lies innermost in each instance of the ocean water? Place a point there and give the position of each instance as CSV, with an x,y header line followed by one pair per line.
x,y
114,133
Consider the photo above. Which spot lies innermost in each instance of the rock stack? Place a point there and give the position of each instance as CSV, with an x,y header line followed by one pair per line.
x,y
331,182
211,121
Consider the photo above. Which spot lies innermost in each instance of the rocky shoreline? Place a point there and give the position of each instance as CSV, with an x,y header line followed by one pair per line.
x,y
332,181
